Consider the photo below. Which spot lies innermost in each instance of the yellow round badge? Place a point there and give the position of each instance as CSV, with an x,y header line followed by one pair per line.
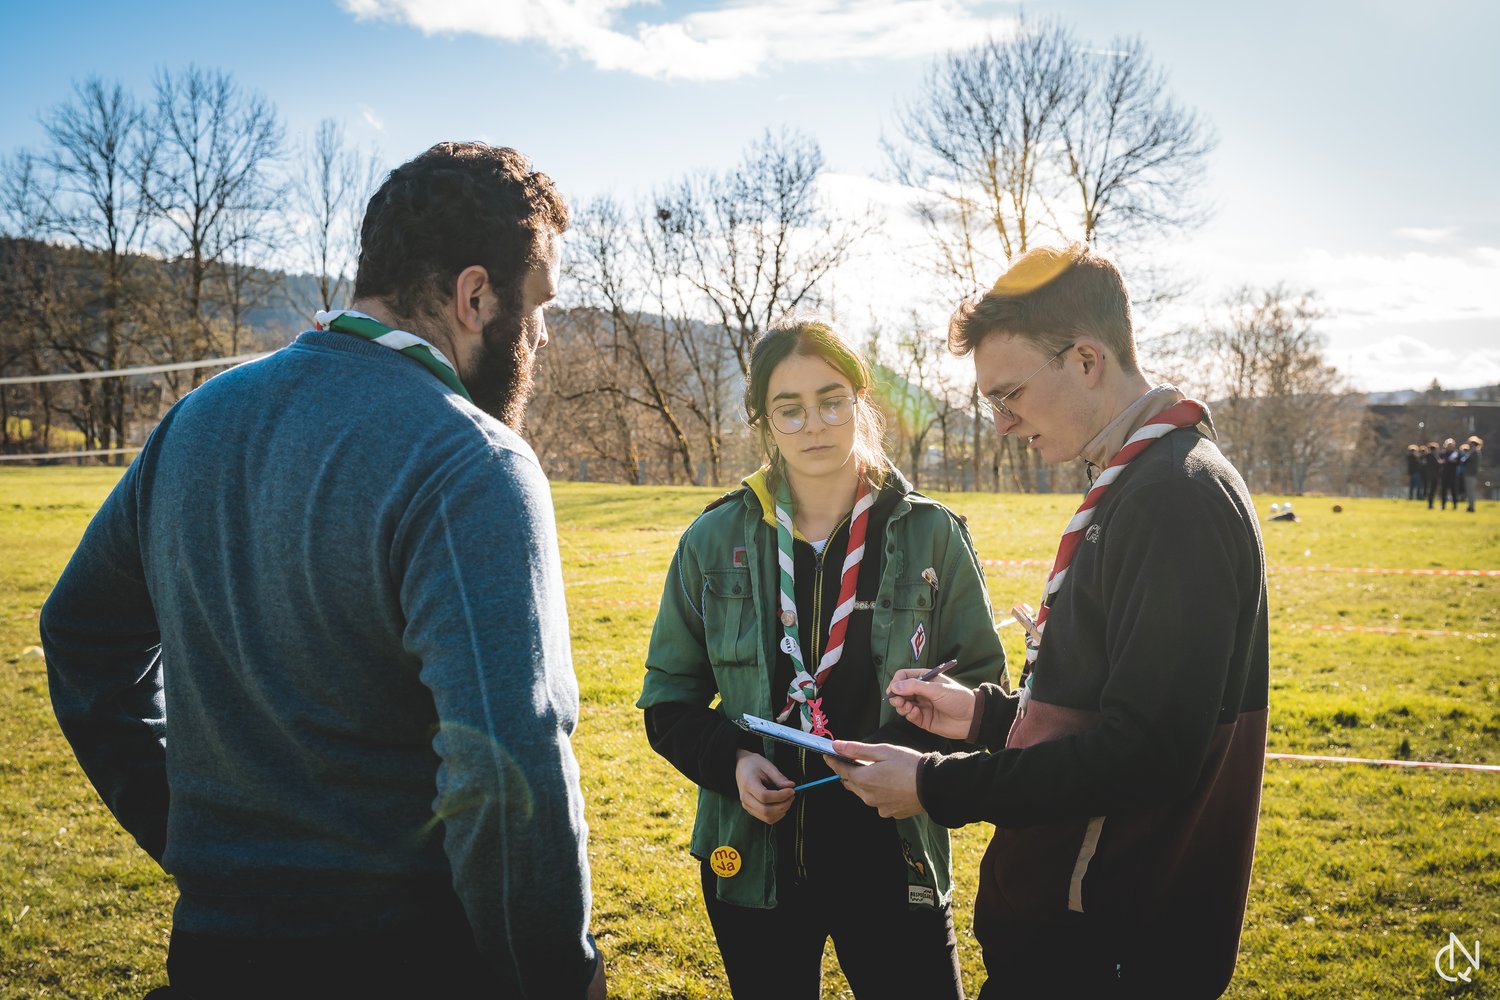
x,y
725,861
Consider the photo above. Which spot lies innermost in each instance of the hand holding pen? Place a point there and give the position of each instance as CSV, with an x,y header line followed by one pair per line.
x,y
936,703
923,676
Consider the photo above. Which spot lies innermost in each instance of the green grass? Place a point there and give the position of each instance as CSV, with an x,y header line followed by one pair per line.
x,y
1360,874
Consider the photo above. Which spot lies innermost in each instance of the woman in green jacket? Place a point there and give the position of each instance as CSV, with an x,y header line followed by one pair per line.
x,y
796,598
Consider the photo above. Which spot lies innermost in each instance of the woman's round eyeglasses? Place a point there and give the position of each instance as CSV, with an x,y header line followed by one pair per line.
x,y
833,411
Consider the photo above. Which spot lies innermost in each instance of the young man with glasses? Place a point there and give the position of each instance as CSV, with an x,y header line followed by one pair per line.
x,y
1124,777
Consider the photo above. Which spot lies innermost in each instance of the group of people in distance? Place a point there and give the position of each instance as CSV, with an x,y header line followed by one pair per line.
x,y
313,653
1449,471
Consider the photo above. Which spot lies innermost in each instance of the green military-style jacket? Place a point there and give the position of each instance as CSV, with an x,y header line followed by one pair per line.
x,y
716,635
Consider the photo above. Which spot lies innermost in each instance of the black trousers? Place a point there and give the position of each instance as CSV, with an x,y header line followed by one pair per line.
x,y
1449,491
885,947
435,959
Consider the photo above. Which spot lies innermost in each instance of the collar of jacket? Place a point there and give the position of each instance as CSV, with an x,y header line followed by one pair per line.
x,y
760,490
1112,438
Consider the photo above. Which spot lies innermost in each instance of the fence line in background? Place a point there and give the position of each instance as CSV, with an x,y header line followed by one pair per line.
x,y
92,453
176,366
1438,764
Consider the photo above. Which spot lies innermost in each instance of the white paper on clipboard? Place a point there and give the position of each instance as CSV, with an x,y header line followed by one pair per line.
x,y
794,737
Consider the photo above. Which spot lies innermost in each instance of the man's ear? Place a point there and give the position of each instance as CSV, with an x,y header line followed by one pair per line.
x,y
1091,354
468,298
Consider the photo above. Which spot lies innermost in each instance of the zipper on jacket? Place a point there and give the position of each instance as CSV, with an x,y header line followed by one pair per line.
x,y
817,624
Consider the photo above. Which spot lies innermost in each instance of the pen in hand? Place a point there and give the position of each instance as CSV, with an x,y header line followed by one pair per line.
x,y
937,671
814,784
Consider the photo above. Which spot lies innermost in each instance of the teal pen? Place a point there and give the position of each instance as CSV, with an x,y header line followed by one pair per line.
x,y
814,784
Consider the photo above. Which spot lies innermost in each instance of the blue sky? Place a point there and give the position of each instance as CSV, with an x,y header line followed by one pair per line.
x,y
1357,138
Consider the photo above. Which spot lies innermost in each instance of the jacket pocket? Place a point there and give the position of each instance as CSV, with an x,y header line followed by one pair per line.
x,y
911,625
721,822
729,620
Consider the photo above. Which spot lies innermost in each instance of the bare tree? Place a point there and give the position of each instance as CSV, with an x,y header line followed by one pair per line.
x,y
607,268
1038,134
688,280
1133,155
28,292
757,242
575,430
710,385
241,276
1279,405
211,187
906,389
100,155
329,194
982,142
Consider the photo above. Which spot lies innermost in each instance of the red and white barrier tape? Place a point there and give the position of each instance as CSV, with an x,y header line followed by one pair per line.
x,y
1441,765
1375,629
1385,572
1304,569
1386,630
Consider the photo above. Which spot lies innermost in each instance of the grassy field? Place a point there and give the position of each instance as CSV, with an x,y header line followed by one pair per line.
x,y
1360,875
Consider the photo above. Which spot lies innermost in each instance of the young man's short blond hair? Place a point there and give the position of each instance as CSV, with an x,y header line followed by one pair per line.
x,y
1051,297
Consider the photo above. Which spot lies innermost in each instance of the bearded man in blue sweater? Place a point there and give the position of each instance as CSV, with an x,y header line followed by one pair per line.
x,y
313,650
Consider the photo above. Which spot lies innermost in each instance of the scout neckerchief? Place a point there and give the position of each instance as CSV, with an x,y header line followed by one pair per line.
x,y
409,344
804,689
1186,413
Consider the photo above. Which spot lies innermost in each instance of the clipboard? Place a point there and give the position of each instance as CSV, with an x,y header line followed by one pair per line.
x,y
792,737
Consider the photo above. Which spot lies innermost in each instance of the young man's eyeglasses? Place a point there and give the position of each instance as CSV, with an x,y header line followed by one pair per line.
x,y
833,411
998,406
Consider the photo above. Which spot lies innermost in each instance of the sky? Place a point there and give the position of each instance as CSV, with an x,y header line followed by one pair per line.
x,y
1356,138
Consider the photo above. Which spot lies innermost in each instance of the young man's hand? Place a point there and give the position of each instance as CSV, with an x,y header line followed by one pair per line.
x,y
887,783
941,705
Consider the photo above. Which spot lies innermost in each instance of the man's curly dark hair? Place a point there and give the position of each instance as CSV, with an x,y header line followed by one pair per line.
x,y
454,206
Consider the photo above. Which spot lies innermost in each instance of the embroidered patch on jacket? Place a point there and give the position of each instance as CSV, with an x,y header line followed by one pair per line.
x,y
918,641
917,866
864,605
741,558
921,895
1092,535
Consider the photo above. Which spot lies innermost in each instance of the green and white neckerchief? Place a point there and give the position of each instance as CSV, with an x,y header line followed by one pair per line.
x,y
400,341
803,693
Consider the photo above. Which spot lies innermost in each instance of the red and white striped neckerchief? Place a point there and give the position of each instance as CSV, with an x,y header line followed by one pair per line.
x,y
805,687
1185,413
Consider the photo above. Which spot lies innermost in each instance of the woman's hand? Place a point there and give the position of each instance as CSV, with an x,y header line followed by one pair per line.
x,y
941,705
765,792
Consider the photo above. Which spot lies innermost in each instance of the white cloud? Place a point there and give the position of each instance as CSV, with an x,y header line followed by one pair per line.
x,y
1402,361
733,40
1440,235
371,118
1415,287
1394,319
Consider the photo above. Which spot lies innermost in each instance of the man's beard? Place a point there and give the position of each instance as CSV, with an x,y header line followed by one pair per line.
x,y
501,379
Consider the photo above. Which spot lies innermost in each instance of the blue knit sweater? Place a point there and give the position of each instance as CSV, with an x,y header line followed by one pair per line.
x,y
322,617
